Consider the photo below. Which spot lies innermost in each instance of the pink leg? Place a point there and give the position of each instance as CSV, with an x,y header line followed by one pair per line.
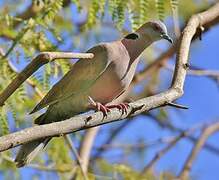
x,y
122,106
106,108
99,107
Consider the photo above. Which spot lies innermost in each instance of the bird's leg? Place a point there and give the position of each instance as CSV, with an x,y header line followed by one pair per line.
x,y
106,108
98,106
122,106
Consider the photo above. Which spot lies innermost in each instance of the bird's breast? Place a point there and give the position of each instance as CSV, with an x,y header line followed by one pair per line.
x,y
107,87
117,76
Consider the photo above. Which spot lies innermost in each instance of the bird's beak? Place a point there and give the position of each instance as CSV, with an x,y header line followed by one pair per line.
x,y
165,36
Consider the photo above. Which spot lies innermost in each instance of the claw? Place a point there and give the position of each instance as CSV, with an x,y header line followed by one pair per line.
x,y
99,107
125,107
122,106
102,108
106,108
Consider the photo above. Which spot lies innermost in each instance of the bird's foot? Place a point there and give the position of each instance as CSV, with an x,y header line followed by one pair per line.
x,y
122,106
107,108
99,107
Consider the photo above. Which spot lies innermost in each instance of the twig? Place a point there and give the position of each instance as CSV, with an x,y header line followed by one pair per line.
x,y
162,152
140,145
49,167
29,81
86,146
109,140
208,131
15,41
209,147
77,156
175,12
89,138
197,72
177,105
150,165
155,65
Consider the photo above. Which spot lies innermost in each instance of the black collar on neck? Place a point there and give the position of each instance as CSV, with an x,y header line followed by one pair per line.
x,y
132,36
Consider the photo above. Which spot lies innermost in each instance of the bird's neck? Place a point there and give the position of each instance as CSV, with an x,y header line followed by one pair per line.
x,y
136,47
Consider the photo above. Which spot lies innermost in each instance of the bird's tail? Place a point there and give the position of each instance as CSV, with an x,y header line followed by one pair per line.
x,y
29,151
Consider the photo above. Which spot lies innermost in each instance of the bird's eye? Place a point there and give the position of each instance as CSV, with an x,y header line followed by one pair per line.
x,y
156,27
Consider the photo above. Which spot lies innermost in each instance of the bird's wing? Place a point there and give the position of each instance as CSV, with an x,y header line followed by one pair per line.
x,y
81,76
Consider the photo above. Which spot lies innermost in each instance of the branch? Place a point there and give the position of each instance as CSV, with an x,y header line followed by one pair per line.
x,y
49,167
213,74
86,146
109,140
161,153
15,70
138,145
77,156
94,119
84,121
35,64
208,146
208,131
171,144
155,65
89,138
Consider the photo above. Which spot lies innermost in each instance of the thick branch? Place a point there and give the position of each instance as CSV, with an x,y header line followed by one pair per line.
x,y
84,121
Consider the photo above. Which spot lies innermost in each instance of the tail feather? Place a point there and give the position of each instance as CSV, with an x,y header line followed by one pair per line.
x,y
29,151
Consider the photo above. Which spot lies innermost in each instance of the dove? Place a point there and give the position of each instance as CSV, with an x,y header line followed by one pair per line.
x,y
94,83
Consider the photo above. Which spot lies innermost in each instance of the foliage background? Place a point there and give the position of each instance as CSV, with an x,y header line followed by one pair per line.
x,y
29,27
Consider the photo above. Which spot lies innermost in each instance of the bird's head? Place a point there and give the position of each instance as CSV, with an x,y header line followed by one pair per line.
x,y
155,30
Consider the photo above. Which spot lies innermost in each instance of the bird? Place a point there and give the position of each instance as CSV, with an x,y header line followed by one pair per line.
x,y
94,83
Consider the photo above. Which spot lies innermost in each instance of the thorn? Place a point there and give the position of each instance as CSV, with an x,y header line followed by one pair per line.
x,y
61,135
134,109
200,31
86,121
186,66
200,28
177,105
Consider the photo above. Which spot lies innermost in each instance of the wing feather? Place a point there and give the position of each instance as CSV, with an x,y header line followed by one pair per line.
x,y
79,79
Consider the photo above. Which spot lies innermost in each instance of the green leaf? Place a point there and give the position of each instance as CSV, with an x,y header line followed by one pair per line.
x,y
3,122
160,5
